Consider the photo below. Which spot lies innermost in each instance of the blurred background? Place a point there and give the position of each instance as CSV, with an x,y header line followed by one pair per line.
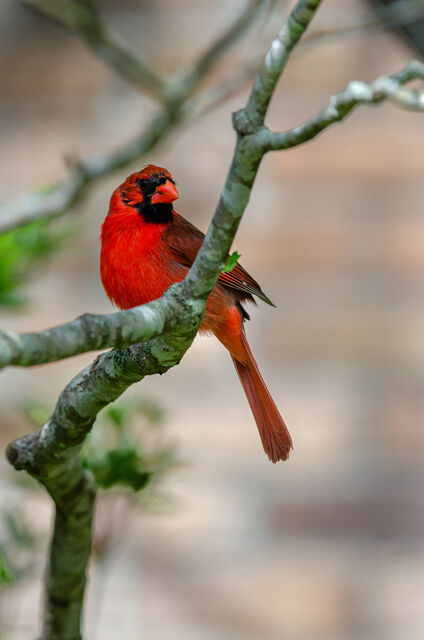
x,y
226,546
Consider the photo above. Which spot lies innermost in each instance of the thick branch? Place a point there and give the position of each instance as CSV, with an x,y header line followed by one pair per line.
x,y
90,332
93,388
70,551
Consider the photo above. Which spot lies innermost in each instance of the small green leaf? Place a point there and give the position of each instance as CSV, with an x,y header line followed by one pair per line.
x,y
117,413
121,467
115,450
231,262
21,250
6,576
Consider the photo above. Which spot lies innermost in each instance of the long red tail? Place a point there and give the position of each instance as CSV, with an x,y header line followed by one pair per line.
x,y
274,434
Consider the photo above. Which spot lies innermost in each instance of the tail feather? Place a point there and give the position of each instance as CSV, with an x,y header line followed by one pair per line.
x,y
274,434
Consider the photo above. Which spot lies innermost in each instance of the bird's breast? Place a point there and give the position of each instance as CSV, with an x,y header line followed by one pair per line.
x,y
135,265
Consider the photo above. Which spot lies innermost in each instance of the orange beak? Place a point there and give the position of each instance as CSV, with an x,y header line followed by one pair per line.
x,y
166,193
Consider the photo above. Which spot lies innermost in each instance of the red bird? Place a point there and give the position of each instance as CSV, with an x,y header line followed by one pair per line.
x,y
147,246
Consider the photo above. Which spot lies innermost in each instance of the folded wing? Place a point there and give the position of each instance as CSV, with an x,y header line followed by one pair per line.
x,y
184,241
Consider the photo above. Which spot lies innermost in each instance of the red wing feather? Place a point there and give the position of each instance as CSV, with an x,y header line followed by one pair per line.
x,y
185,240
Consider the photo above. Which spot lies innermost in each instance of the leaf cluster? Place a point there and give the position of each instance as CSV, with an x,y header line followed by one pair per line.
x,y
23,250
120,456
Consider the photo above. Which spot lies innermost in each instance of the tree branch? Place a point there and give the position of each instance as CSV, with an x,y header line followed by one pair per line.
x,y
397,14
69,554
82,18
102,382
276,59
65,194
188,81
90,332
341,104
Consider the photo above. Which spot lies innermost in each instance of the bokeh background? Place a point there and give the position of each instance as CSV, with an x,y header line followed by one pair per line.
x,y
328,546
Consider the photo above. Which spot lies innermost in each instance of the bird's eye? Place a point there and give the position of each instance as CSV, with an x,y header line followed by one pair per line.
x,y
147,186
161,181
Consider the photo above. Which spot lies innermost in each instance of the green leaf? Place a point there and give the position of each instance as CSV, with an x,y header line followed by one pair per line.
x,y
118,453
21,250
117,413
231,262
6,575
121,467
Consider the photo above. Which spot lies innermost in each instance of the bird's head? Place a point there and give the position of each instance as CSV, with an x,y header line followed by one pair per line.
x,y
151,191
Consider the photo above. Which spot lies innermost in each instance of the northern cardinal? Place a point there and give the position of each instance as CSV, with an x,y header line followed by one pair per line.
x,y
147,246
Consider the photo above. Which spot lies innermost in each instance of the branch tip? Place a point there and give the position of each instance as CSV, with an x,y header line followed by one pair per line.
x,y
13,453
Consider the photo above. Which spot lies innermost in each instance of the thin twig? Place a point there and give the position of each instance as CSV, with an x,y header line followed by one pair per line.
x,y
398,14
82,18
384,88
189,80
